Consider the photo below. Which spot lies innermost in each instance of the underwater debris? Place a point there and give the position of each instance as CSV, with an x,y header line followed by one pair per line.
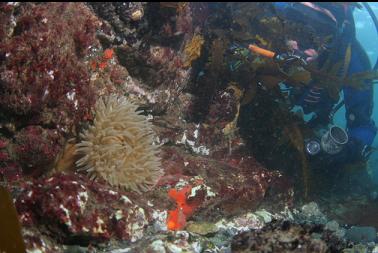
x,y
118,147
193,50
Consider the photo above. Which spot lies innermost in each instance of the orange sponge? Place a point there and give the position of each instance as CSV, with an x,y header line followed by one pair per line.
x,y
177,218
108,54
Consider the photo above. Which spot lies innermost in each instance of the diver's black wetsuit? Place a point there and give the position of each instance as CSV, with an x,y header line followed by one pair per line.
x,y
358,102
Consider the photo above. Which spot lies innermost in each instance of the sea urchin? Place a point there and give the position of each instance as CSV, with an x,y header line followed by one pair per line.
x,y
119,146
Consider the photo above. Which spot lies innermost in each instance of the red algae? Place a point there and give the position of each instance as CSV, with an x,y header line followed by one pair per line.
x,y
56,69
74,205
46,90
36,148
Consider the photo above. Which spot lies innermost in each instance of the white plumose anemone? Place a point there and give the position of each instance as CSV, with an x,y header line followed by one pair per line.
x,y
119,146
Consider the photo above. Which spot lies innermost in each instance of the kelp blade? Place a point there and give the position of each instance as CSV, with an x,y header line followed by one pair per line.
x,y
10,229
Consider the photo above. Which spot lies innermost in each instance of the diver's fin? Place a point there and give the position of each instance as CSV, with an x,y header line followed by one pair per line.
x,y
10,229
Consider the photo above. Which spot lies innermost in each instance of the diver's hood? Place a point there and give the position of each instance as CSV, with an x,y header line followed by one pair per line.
x,y
310,14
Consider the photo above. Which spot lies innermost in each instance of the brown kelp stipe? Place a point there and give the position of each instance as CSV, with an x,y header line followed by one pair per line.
x,y
10,238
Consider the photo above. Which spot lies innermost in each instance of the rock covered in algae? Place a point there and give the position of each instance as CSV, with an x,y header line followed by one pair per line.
x,y
237,184
79,210
47,78
284,236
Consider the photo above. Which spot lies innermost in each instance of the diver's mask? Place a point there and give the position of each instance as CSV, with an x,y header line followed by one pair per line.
x,y
331,142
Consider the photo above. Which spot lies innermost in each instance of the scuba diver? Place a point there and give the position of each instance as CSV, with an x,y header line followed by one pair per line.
x,y
338,63
283,56
346,51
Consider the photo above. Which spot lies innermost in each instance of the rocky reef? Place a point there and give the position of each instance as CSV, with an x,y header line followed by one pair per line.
x,y
214,192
